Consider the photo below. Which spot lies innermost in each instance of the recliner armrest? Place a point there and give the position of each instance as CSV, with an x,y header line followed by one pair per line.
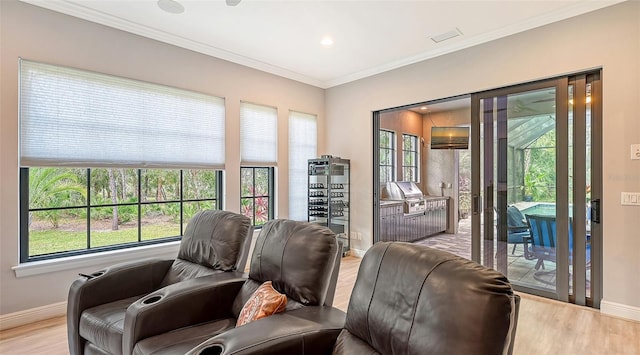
x,y
113,283
180,305
308,330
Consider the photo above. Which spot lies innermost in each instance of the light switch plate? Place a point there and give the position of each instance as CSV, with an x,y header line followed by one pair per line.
x,y
630,198
635,152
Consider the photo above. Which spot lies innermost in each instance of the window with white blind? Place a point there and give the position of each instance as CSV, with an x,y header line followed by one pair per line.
x,y
258,155
303,145
109,163
71,117
258,134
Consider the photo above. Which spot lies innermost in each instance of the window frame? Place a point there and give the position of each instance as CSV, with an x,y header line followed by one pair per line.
x,y
270,193
416,158
392,153
25,212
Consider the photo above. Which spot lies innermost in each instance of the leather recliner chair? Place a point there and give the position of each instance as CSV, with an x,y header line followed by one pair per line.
x,y
214,242
407,299
301,260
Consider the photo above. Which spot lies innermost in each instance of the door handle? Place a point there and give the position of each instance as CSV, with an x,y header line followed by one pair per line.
x,y
595,211
476,204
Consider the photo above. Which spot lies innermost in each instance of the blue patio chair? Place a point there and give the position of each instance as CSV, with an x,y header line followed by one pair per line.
x,y
541,244
517,227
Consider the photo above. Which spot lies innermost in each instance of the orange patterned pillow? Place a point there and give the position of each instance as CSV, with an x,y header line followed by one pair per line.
x,y
264,302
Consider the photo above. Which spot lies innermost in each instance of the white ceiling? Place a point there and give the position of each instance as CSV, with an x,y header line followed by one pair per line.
x,y
283,37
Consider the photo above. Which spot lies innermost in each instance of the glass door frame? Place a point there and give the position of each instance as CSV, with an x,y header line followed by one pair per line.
x,y
562,174
563,142
593,77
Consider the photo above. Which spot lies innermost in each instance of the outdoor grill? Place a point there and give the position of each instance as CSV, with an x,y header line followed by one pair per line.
x,y
405,191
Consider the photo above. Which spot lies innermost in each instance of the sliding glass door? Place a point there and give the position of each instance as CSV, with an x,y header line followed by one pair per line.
x,y
532,186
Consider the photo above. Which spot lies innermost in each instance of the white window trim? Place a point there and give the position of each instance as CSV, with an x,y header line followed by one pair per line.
x,y
90,261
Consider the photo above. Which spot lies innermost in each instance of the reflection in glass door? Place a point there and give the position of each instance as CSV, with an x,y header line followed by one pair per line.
x,y
532,186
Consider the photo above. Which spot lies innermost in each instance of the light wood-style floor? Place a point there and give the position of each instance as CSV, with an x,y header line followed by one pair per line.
x,y
544,327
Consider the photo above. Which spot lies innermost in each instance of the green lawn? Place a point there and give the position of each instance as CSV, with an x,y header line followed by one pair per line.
x,y
57,240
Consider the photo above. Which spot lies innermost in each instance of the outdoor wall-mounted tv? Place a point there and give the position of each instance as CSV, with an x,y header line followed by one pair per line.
x,y
449,137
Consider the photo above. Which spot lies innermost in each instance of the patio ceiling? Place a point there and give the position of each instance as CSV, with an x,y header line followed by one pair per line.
x,y
523,131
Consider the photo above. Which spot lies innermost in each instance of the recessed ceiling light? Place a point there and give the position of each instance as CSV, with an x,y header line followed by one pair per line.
x,y
326,41
171,6
423,107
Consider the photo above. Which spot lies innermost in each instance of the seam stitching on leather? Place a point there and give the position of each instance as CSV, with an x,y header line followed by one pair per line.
x,y
284,247
374,289
267,234
415,304
216,221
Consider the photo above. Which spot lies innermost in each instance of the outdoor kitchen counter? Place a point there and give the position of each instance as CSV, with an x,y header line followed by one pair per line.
x,y
426,197
390,202
398,226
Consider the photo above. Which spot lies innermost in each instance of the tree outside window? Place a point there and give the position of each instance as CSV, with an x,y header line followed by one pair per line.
x,y
410,158
387,156
73,211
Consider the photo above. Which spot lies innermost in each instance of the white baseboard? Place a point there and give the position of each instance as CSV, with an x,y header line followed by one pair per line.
x,y
357,252
16,319
620,310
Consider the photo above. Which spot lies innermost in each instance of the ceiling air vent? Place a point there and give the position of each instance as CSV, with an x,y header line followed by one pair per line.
x,y
447,35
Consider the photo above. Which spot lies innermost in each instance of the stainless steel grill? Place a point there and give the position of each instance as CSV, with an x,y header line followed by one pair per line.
x,y
406,191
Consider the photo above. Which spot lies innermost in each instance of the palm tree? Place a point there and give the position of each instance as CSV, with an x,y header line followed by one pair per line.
x,y
53,187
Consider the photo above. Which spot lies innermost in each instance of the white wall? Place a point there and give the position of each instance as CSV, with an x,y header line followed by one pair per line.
x,y
37,34
608,38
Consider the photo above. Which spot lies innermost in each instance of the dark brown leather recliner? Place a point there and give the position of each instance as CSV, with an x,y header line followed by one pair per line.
x,y
301,260
411,299
407,299
214,242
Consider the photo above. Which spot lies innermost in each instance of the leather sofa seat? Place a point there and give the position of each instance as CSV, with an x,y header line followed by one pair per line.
x,y
103,325
180,341
299,258
214,242
407,299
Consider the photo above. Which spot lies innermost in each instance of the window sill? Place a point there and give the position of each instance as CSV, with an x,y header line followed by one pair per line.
x,y
165,250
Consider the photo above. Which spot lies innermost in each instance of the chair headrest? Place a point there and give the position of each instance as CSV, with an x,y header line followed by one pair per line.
x,y
297,257
215,239
411,299
515,218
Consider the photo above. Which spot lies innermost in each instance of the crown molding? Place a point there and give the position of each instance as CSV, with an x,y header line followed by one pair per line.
x,y
568,12
82,12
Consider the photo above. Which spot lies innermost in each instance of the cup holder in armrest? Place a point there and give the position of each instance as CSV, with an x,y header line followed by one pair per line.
x,y
152,299
215,349
92,276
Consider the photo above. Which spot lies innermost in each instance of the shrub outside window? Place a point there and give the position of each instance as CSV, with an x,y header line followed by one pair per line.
x,y
256,200
387,156
70,211
410,158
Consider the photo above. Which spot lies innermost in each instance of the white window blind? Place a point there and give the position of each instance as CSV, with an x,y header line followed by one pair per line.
x,y
258,134
71,117
303,145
